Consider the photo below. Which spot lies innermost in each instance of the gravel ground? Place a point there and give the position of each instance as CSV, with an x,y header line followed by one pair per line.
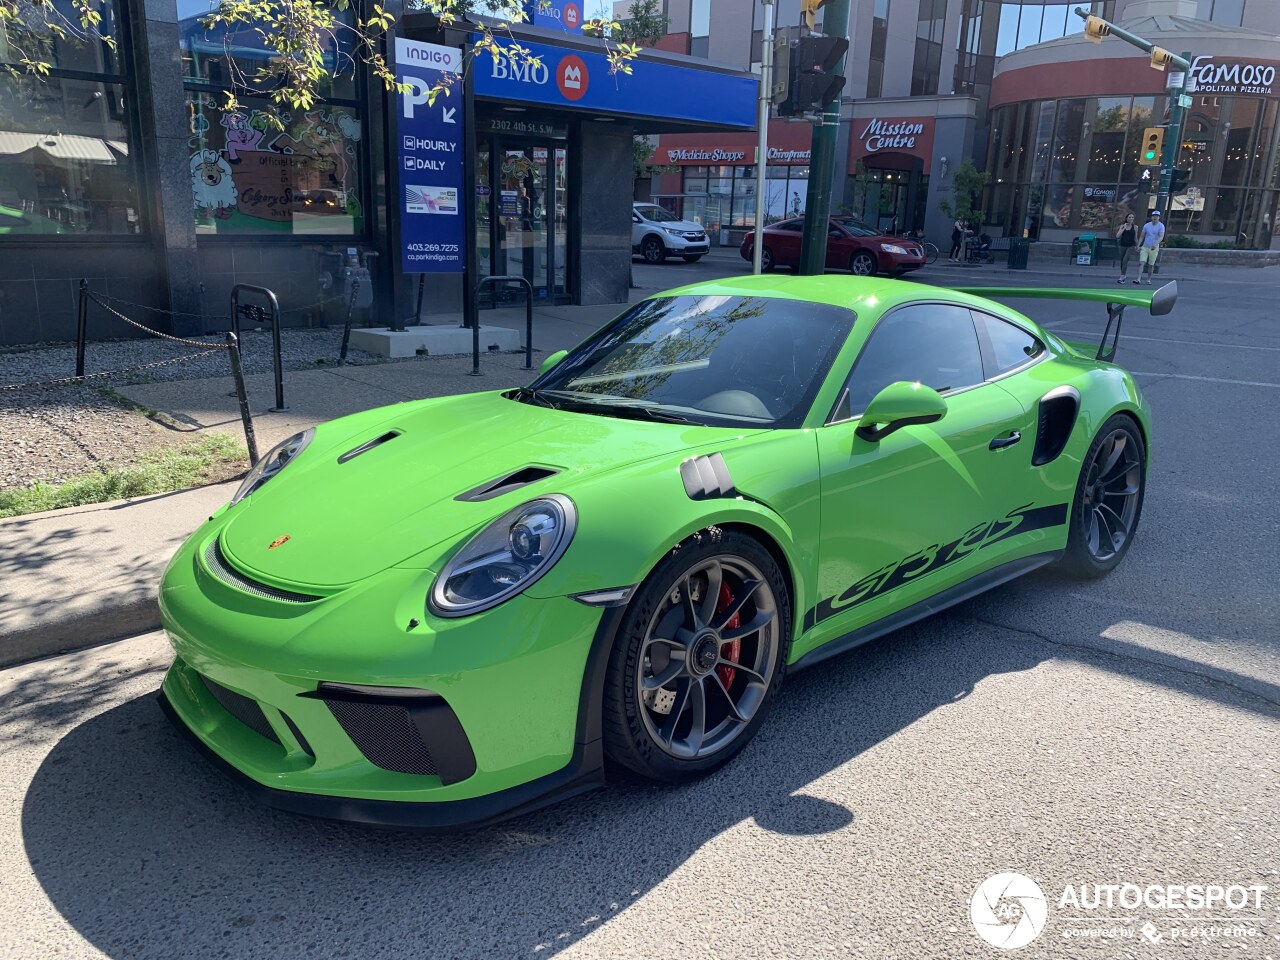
x,y
56,432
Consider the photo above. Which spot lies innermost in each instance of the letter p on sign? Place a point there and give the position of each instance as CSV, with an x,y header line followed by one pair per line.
x,y
415,96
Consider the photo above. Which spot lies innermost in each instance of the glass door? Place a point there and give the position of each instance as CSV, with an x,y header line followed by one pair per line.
x,y
530,206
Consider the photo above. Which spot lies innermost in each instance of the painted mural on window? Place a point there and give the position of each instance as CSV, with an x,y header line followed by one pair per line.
x,y
249,177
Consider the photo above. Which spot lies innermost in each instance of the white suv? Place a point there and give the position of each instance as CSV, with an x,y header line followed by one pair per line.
x,y
657,234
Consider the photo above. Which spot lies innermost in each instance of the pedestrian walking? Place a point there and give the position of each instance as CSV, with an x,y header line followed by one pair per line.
x,y
957,239
1127,234
1152,241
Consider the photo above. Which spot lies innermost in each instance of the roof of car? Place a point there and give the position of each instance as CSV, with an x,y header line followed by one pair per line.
x,y
860,294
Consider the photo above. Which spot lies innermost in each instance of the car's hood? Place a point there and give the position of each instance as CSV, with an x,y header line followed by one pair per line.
x,y
687,226
347,521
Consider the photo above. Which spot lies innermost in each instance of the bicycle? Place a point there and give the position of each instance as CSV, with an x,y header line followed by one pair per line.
x,y
930,252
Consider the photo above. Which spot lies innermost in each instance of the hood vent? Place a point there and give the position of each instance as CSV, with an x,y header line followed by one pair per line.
x,y
512,481
368,445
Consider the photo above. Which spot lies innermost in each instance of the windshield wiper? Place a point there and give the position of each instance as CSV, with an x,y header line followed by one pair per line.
x,y
530,395
618,406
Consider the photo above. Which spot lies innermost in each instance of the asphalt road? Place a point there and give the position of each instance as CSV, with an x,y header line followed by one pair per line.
x,y
1120,732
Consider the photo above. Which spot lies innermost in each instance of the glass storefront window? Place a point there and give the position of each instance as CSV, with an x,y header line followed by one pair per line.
x,y
1141,115
1106,138
32,39
249,178
65,164
232,57
1065,155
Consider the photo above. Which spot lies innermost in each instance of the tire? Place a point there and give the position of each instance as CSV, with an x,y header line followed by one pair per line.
x,y
1095,546
862,264
930,253
653,250
711,677
766,260
693,258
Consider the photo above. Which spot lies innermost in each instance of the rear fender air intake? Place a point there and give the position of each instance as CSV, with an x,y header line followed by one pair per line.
x,y
1056,419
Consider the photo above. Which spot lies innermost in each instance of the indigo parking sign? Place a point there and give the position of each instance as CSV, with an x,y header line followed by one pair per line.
x,y
430,147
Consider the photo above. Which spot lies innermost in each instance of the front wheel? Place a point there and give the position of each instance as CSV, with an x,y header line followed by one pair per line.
x,y
1108,500
766,260
930,253
692,258
653,250
698,658
862,264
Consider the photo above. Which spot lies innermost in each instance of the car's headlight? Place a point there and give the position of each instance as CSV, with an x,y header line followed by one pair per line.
x,y
505,557
674,231
893,248
277,458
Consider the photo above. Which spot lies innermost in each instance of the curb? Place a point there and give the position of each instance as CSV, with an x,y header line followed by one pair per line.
x,y
107,624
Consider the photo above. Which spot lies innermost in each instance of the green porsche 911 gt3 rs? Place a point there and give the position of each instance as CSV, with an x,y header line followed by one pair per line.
x,y
445,612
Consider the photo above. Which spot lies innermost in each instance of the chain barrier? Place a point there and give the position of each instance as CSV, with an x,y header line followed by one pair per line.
x,y
61,381
199,344
99,297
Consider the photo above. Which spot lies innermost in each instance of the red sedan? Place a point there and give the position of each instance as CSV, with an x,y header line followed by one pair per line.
x,y
851,245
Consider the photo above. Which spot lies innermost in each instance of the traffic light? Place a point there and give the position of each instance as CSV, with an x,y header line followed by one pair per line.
x,y
1152,147
812,82
1160,58
1178,179
781,70
1095,28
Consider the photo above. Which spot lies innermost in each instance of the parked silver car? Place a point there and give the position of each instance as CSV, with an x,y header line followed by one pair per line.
x,y
657,234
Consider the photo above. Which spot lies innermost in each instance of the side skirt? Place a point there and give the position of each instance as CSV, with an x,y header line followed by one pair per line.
x,y
975,585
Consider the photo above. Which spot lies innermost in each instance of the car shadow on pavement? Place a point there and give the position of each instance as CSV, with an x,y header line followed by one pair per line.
x,y
140,844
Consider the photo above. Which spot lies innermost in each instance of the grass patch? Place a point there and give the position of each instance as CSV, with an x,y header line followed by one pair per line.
x,y
212,457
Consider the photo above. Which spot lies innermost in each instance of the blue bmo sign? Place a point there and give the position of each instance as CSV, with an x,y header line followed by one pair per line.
x,y
429,143
556,14
581,79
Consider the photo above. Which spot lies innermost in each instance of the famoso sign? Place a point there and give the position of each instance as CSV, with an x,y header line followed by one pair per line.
x,y
1211,75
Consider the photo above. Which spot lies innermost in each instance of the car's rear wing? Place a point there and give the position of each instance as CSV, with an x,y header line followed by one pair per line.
x,y
1159,302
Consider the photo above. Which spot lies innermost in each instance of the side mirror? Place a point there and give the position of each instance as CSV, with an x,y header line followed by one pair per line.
x,y
556,357
900,405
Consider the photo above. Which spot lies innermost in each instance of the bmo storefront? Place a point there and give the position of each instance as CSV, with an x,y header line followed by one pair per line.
x,y
554,157
1065,143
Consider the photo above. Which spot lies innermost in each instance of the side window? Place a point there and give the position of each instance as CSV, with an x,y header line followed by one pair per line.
x,y
794,226
635,217
1011,346
933,343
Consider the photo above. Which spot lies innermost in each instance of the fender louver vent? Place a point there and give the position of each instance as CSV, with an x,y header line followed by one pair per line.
x,y
368,445
706,477
512,481
1057,418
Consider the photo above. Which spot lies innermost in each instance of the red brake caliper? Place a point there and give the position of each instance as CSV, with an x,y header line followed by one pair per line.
x,y
732,649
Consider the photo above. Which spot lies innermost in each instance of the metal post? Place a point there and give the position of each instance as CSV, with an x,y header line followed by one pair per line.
x,y
762,122
1172,144
422,288
528,325
475,344
346,326
470,289
237,374
822,167
277,361
82,324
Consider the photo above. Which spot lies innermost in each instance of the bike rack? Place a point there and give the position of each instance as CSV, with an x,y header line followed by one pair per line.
x,y
528,322
257,313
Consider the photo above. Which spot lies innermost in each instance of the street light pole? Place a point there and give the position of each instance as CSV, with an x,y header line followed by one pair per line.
x,y
762,124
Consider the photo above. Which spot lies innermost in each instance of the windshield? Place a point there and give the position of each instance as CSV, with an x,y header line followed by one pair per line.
x,y
857,227
713,360
656,214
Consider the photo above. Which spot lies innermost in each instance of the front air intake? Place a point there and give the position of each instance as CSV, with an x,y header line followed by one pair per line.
x,y
244,709
217,564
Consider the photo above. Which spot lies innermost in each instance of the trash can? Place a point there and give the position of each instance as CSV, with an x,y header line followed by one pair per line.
x,y
1019,251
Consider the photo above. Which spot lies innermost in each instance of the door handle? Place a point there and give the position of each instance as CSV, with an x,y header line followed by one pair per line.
x,y
1000,443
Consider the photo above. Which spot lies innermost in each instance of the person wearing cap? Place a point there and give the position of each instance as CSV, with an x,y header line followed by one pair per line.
x,y
1149,248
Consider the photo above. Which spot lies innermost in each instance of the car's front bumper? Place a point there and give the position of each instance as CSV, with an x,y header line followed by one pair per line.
x,y
506,726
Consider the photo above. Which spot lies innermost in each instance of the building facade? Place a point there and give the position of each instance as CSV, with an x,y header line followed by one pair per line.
x,y
126,167
1014,86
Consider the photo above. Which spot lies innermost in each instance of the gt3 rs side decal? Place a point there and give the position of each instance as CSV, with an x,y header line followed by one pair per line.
x,y
923,562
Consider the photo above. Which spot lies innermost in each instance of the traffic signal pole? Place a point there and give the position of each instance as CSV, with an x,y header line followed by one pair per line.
x,y
762,124
1096,28
822,156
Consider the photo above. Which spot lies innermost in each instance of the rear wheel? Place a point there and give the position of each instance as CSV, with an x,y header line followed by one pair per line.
x,y
692,257
653,250
766,260
1108,500
698,659
862,264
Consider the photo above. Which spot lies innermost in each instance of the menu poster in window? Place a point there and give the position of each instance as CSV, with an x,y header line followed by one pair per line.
x,y
429,141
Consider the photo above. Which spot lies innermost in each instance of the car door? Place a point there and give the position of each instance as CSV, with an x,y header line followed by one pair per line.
x,y
840,247
909,515
784,241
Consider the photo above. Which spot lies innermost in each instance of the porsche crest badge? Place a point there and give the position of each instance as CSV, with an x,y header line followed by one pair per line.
x,y
279,542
